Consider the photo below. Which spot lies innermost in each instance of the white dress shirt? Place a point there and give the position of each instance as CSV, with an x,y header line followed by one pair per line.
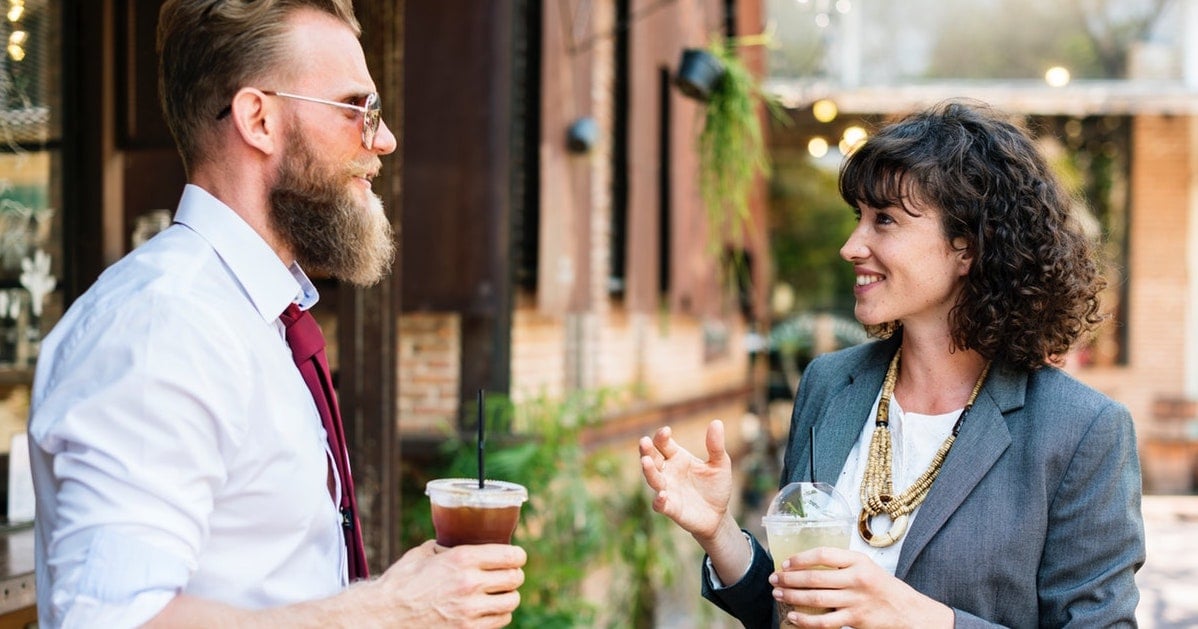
x,y
174,445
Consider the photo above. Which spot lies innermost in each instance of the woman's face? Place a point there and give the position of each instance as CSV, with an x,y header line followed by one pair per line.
x,y
906,269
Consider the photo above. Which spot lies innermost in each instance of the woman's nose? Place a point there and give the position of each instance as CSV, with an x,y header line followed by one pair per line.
x,y
854,247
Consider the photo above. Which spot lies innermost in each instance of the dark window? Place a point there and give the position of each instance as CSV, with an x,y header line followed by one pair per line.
x,y
526,197
619,176
663,183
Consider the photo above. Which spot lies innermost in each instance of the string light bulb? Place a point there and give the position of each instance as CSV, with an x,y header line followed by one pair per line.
x,y
852,138
16,45
824,110
1057,76
817,147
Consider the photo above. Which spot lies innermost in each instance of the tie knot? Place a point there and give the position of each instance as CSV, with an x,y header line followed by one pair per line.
x,y
303,333
290,314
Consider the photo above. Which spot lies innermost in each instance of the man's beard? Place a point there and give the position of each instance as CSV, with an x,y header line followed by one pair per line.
x,y
315,213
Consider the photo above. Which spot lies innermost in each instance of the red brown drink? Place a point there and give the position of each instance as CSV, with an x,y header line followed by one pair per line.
x,y
465,514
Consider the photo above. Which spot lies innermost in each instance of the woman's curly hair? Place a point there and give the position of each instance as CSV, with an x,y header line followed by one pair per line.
x,y
1032,290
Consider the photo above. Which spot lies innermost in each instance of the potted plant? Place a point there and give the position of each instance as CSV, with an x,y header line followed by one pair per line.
x,y
731,149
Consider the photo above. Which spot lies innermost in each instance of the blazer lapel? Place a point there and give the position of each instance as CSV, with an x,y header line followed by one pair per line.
x,y
982,440
838,428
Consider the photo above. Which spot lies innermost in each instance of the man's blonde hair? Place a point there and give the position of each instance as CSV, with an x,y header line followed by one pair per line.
x,y
209,49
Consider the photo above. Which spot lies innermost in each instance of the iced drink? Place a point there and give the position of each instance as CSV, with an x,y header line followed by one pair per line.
x,y
465,514
805,516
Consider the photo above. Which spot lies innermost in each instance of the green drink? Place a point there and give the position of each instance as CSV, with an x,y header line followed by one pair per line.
x,y
789,539
801,517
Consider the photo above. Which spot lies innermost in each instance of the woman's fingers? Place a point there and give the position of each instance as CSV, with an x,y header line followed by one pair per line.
x,y
663,440
716,451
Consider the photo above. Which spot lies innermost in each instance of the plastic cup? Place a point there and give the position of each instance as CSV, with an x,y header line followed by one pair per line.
x,y
801,517
463,513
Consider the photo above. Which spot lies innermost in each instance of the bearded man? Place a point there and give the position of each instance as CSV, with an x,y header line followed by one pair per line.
x,y
188,458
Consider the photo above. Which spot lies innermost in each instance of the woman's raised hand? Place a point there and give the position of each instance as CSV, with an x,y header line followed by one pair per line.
x,y
690,491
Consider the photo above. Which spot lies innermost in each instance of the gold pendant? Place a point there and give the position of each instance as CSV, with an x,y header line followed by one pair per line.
x,y
898,526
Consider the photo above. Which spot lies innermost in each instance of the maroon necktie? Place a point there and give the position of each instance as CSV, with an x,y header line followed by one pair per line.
x,y
307,348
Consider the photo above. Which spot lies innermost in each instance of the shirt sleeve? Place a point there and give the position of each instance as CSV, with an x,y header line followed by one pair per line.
x,y
116,580
134,420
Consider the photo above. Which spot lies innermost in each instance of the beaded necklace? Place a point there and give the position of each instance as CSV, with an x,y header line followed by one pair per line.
x,y
877,492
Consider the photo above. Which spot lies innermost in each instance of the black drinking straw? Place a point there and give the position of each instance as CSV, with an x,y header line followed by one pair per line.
x,y
481,416
811,459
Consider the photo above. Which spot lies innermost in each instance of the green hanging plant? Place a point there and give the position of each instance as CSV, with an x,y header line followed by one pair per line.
x,y
732,152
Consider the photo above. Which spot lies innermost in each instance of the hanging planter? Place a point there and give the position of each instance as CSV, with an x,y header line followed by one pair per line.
x,y
699,72
732,152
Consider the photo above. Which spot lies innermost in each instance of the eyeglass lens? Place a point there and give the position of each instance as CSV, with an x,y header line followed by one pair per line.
x,y
370,120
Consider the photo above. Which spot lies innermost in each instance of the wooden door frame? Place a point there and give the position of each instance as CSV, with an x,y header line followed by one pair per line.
x,y
367,332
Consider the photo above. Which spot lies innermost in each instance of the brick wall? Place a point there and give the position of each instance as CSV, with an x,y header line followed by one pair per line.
x,y
1159,277
653,358
538,355
429,374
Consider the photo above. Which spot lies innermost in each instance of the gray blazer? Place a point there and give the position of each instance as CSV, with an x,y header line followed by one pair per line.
x,y
1034,520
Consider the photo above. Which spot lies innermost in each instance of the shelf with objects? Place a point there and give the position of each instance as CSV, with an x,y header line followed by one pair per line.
x,y
31,251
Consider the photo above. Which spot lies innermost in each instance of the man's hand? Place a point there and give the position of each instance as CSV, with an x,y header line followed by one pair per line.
x,y
464,586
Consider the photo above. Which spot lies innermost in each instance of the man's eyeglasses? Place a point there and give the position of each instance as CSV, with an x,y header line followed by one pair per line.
x,y
370,109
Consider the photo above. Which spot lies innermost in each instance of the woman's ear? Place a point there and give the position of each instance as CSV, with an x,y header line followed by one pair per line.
x,y
964,256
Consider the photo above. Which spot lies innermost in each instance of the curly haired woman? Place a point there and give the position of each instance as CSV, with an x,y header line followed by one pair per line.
x,y
1012,497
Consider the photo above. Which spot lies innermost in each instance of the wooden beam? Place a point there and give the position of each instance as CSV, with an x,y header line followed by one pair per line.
x,y
368,382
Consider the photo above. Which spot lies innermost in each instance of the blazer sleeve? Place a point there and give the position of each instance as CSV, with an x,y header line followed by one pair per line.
x,y
1095,541
750,600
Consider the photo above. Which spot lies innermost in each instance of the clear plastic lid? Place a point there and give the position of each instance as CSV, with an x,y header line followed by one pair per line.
x,y
465,492
807,502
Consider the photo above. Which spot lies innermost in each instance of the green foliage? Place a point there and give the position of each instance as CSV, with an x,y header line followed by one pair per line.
x,y
808,224
731,150
646,550
583,512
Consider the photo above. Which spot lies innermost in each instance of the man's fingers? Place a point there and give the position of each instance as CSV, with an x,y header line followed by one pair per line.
x,y
500,606
500,581
500,556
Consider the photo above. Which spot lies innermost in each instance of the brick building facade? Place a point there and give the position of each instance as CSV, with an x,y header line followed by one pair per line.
x,y
659,324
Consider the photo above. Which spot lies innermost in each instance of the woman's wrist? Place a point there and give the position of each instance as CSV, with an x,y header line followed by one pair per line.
x,y
730,552
725,531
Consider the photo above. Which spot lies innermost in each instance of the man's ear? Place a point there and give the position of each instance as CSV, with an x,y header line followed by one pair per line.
x,y
256,119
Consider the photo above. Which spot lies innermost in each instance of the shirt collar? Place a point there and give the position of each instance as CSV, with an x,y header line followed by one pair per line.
x,y
269,284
